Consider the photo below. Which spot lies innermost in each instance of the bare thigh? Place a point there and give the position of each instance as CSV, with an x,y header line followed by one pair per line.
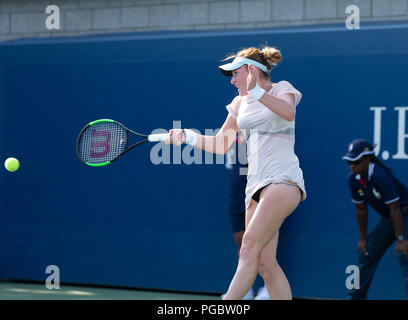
x,y
263,219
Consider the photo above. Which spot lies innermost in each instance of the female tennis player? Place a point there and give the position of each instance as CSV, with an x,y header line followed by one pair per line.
x,y
266,112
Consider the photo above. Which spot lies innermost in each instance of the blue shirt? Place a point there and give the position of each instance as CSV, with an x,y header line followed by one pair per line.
x,y
380,189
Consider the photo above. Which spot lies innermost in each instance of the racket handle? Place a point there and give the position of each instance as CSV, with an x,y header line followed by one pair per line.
x,y
157,137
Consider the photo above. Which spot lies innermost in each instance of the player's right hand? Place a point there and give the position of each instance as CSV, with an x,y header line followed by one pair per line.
x,y
176,137
362,246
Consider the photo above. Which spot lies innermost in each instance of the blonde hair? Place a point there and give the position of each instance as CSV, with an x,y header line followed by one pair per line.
x,y
268,56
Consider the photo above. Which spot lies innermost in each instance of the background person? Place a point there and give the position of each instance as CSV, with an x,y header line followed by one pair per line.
x,y
371,183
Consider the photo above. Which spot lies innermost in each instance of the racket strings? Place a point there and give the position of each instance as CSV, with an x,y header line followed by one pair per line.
x,y
102,142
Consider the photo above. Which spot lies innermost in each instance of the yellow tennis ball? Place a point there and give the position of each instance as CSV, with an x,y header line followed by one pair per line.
x,y
12,164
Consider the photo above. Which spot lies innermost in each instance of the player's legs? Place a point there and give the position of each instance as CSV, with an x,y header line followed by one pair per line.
x,y
277,201
240,269
273,275
238,227
238,240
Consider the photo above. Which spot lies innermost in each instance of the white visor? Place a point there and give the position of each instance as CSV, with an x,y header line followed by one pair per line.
x,y
238,62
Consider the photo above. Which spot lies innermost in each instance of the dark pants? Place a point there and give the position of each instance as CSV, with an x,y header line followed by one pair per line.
x,y
379,239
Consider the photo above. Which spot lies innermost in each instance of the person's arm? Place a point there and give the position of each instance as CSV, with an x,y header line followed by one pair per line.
x,y
396,217
388,190
362,218
283,106
398,223
221,142
218,144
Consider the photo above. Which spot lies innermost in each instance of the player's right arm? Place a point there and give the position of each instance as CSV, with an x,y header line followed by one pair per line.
x,y
218,144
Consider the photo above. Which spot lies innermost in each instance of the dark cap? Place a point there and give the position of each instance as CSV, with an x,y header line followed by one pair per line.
x,y
358,148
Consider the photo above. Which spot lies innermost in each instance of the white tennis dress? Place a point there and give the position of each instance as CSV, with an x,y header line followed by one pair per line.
x,y
270,142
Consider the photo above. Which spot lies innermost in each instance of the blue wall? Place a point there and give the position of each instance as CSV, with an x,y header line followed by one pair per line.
x,y
166,226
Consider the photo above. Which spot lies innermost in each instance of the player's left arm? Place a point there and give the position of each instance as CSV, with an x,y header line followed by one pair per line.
x,y
283,105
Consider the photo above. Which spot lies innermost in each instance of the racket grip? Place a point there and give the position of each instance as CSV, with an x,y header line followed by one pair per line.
x,y
157,137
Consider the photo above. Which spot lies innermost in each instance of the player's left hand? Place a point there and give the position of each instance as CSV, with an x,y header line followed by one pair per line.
x,y
403,247
253,77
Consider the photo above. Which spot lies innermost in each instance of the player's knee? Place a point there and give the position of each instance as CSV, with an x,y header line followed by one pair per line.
x,y
249,248
268,267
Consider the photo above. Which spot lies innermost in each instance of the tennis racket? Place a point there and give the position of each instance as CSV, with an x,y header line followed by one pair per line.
x,y
103,141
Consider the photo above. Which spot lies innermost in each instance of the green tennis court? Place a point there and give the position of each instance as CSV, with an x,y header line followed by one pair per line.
x,y
38,291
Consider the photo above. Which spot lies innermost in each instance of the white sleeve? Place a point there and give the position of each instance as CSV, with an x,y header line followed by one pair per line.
x,y
285,87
